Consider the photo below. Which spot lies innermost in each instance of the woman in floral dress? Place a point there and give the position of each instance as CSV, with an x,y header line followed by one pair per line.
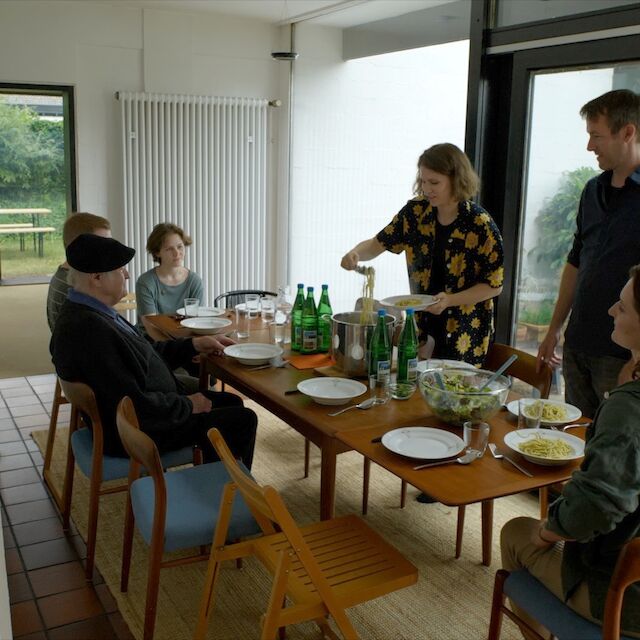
x,y
453,250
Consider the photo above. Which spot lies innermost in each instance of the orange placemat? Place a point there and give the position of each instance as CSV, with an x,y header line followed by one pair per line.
x,y
335,371
312,361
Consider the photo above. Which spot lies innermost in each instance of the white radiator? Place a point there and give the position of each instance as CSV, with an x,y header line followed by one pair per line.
x,y
201,163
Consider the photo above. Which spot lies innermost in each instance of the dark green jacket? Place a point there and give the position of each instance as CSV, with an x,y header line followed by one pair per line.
x,y
599,507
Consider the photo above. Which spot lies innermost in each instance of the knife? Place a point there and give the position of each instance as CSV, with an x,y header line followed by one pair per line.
x,y
517,466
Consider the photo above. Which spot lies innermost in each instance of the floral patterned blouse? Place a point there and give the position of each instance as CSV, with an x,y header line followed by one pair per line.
x,y
474,255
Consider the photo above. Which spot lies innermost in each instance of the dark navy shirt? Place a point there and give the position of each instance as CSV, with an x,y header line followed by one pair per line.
x,y
606,245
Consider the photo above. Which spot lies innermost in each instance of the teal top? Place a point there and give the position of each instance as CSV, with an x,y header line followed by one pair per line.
x,y
599,509
154,297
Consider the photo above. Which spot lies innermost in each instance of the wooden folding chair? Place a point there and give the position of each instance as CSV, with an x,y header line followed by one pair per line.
x,y
552,613
322,568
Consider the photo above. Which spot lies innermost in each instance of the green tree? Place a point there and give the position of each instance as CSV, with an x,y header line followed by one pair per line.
x,y
556,221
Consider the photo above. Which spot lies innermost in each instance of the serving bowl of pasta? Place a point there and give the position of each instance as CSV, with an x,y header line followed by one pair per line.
x,y
548,448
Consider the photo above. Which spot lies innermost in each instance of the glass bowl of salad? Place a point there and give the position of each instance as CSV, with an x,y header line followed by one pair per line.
x,y
464,396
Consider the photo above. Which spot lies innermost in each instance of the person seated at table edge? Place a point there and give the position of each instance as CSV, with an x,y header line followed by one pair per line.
x,y
75,225
92,343
574,551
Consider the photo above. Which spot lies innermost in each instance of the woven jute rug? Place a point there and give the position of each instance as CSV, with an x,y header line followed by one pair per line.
x,y
451,600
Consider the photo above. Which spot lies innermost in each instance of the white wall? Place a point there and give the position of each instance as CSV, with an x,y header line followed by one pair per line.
x,y
100,49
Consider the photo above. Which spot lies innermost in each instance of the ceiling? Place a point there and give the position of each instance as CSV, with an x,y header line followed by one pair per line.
x,y
334,13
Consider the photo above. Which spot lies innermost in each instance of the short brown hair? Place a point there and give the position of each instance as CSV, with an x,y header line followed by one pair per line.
x,y
450,161
159,233
620,107
78,223
634,274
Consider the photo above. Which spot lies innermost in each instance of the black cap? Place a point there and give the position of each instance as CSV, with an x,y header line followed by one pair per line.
x,y
89,253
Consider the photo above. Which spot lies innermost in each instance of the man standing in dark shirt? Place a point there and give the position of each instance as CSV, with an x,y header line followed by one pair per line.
x,y
606,245
92,343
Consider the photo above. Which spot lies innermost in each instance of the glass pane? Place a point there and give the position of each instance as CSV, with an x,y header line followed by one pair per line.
x,y
558,165
510,12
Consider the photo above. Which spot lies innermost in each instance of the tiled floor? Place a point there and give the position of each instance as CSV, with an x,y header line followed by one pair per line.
x,y
50,598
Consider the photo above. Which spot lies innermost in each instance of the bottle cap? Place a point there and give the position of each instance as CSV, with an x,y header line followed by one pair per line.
x,y
382,313
309,288
409,311
300,285
325,286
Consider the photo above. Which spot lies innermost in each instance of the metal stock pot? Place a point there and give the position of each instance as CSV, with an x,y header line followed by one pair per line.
x,y
350,341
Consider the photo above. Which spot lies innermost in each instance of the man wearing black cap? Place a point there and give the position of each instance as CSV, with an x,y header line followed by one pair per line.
x,y
92,343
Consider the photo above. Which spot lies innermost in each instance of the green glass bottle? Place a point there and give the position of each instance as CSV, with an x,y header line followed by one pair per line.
x,y
408,350
380,359
324,320
309,324
296,319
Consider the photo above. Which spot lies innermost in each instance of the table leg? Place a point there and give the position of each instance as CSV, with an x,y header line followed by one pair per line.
x,y
328,461
487,531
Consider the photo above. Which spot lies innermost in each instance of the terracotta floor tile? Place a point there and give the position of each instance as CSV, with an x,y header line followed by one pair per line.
x,y
7,536
23,493
120,626
15,462
108,601
95,628
25,618
19,589
70,606
12,558
12,448
9,435
38,531
29,511
45,554
18,477
59,577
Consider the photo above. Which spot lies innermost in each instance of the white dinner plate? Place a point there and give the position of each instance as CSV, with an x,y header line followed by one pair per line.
x,y
434,363
424,443
514,439
331,390
573,413
418,302
205,326
204,312
253,352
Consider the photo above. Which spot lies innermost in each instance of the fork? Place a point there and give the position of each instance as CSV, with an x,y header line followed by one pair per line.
x,y
501,456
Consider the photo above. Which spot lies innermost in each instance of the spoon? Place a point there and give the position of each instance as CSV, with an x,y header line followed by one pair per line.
x,y
467,458
365,404
508,362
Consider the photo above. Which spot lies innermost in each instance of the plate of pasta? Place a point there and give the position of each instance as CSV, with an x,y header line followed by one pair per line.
x,y
553,413
415,301
548,448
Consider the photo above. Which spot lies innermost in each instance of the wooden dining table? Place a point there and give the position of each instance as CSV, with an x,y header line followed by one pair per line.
x,y
481,481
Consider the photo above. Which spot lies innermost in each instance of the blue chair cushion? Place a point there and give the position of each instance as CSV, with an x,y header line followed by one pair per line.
x,y
193,504
115,467
551,612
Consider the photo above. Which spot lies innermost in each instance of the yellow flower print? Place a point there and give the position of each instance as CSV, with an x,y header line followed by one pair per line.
x,y
463,343
389,229
457,234
417,209
452,325
424,249
422,277
481,219
475,323
397,248
471,241
493,257
457,264
478,352
467,309
427,230
496,277
410,254
461,282
485,344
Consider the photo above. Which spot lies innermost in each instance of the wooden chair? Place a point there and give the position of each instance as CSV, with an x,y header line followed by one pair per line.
x,y
321,568
172,511
58,400
86,446
543,606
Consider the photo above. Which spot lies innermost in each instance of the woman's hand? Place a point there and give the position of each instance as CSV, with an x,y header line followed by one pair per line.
x,y
211,345
350,260
442,302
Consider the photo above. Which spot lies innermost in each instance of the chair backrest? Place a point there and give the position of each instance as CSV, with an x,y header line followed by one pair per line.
x,y
627,572
231,298
524,368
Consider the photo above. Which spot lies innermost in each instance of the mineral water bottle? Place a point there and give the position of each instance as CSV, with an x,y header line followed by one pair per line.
x,y
296,320
408,350
380,360
324,320
309,324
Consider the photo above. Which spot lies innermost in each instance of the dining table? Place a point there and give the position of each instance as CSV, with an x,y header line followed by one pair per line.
x,y
275,389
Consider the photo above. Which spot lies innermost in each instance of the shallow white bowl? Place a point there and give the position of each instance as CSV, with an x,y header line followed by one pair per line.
x,y
204,312
253,353
515,438
206,326
331,390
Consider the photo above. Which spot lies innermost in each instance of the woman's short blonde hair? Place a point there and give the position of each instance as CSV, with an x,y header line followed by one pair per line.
x,y
159,233
447,159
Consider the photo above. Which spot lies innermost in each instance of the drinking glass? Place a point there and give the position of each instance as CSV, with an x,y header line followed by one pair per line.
x,y
191,306
476,436
529,413
243,321
268,308
380,388
276,333
252,302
